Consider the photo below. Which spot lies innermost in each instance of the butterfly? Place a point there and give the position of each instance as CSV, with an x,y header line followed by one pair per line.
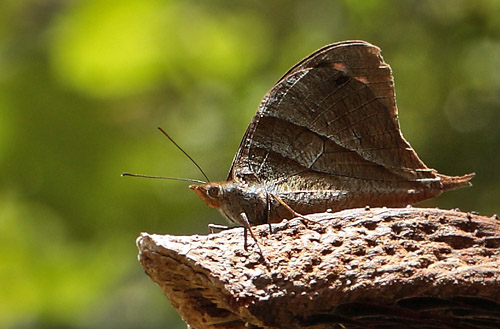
x,y
326,137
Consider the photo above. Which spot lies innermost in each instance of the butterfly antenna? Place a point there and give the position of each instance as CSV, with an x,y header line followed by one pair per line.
x,y
189,157
162,177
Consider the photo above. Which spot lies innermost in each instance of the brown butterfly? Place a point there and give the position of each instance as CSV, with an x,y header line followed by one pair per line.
x,y
325,137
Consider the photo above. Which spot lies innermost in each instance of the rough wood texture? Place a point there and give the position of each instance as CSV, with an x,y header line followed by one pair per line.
x,y
359,268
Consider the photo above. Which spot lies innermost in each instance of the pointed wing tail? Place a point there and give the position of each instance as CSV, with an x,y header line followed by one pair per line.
x,y
454,182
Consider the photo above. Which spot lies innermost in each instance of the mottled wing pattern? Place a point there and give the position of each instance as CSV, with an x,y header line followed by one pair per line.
x,y
330,124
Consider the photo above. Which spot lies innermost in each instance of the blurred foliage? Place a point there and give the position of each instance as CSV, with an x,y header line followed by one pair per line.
x,y
84,84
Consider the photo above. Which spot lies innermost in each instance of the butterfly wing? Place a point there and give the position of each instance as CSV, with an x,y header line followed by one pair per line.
x,y
329,130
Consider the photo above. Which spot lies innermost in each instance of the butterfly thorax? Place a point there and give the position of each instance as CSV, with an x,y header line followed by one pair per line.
x,y
234,198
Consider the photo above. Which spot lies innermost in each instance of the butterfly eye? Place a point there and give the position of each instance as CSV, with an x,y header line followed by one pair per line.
x,y
213,191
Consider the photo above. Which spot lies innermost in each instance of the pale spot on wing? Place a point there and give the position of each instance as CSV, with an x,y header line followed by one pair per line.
x,y
361,79
339,66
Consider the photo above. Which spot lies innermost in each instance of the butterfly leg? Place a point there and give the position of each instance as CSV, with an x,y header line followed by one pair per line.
x,y
268,211
213,227
246,228
245,237
293,212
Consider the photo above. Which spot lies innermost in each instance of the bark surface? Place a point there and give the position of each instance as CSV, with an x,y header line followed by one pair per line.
x,y
358,268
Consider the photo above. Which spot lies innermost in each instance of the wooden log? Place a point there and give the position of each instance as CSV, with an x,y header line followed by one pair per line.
x,y
358,268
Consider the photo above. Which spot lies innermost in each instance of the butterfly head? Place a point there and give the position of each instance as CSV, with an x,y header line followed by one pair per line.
x,y
233,198
211,193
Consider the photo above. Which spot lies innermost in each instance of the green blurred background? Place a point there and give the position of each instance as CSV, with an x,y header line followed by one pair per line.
x,y
84,84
